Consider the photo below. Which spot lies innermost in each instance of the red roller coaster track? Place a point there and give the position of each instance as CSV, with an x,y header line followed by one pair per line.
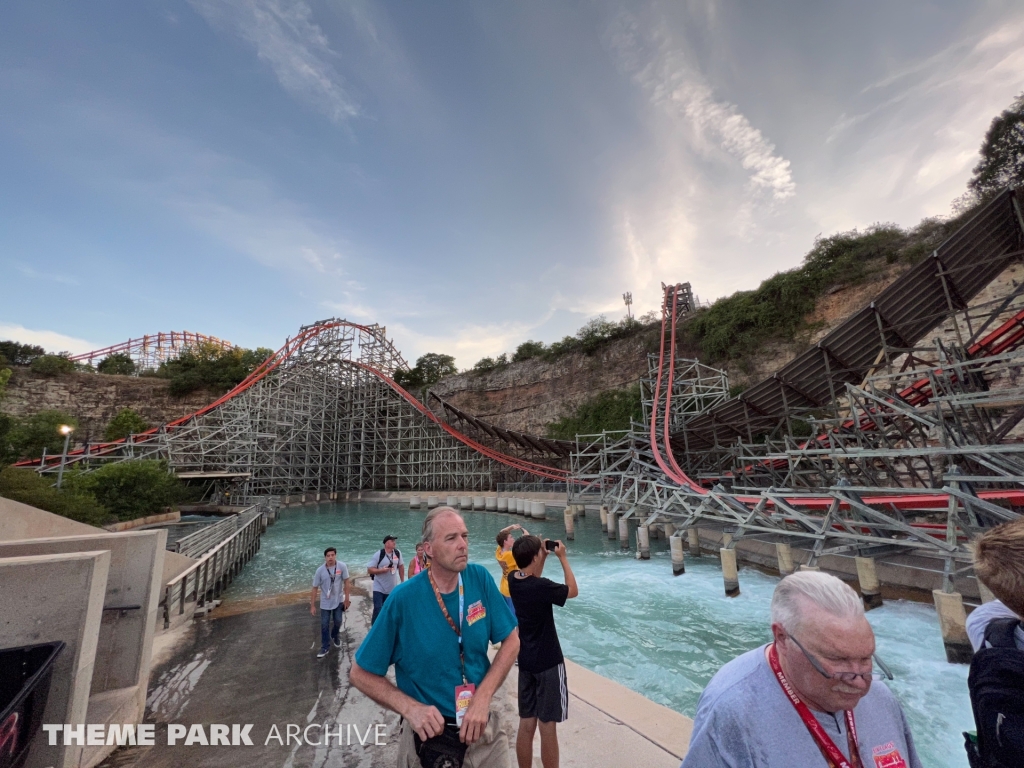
x,y
275,361
1006,337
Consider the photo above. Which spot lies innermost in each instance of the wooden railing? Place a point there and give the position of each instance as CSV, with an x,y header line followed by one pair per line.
x,y
217,567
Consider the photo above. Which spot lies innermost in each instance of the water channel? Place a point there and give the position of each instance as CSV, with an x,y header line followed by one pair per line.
x,y
633,622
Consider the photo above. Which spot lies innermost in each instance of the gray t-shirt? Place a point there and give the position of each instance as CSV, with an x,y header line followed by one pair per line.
x,y
984,615
331,584
385,582
744,720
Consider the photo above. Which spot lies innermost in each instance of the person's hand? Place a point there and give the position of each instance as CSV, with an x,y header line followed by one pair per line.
x,y
426,720
348,602
517,527
475,720
559,549
312,609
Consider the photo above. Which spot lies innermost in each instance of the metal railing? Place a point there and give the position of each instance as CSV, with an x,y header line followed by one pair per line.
x,y
207,536
216,569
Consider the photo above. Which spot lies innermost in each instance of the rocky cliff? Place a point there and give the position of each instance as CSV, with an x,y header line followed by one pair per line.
x,y
94,399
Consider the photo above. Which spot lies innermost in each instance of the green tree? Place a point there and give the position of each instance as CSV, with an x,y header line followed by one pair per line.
x,y
5,376
429,369
118,364
126,422
53,365
610,410
208,366
528,350
20,354
131,489
1002,154
29,487
28,436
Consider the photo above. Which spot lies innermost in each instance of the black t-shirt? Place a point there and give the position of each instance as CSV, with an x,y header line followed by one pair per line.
x,y
533,597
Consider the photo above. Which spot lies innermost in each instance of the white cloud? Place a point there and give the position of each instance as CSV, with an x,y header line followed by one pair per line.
x,y
292,44
661,67
51,341
53,277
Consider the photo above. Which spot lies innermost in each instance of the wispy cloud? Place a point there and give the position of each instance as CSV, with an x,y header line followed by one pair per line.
x,y
661,67
53,277
51,341
292,44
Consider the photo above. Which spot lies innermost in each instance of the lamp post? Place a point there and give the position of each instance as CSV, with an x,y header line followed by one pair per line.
x,y
66,430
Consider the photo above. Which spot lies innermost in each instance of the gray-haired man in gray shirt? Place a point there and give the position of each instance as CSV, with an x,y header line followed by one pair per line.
x,y
807,699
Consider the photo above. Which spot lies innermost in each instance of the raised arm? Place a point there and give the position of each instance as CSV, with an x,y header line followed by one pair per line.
x,y
570,577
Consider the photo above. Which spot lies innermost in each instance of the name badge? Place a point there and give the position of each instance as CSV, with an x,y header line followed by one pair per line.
x,y
476,612
463,695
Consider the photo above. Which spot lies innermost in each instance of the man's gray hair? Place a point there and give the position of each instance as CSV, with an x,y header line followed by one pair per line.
x,y
794,592
432,515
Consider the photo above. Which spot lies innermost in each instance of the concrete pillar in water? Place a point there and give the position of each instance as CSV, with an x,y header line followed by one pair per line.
x,y
318,496
693,537
785,555
729,572
570,524
538,510
669,530
675,544
451,501
726,540
643,539
604,515
610,526
581,510
953,623
518,505
414,502
501,504
478,502
491,503
870,589
466,502
432,501
624,532
985,592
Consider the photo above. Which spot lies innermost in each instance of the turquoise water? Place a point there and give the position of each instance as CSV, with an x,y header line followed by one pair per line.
x,y
633,622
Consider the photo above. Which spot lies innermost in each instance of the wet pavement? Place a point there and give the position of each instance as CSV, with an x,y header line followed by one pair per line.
x,y
259,667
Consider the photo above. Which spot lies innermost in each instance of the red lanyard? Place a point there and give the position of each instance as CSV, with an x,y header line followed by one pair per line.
x,y
829,750
456,629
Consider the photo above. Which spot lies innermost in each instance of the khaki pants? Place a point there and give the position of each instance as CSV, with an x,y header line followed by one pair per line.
x,y
490,751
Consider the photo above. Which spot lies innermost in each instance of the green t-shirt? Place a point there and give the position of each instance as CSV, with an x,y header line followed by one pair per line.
x,y
413,634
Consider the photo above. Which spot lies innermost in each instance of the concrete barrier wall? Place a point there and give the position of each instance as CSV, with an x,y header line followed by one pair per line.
x,y
20,521
48,598
134,584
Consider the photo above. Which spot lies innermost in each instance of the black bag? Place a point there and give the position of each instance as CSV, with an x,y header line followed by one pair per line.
x,y
380,558
441,751
996,683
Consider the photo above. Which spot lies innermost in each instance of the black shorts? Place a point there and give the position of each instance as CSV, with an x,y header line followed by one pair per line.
x,y
544,695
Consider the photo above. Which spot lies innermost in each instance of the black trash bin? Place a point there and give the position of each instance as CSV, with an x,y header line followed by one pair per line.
x,y
24,688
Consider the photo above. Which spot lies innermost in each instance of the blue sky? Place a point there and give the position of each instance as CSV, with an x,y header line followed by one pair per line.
x,y
469,175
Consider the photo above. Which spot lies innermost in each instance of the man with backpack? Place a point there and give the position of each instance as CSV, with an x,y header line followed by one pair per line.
x,y
387,569
996,679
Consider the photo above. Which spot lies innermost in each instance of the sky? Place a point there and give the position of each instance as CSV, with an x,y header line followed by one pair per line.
x,y
468,175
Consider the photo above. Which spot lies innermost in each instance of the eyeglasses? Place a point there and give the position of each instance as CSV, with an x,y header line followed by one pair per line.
x,y
846,677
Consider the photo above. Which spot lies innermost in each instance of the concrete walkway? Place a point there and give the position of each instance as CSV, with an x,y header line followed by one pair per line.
x,y
255,662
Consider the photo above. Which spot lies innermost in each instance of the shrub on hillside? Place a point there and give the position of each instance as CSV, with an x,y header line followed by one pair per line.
x,y
429,369
118,364
529,350
208,366
131,489
610,410
126,422
53,365
28,487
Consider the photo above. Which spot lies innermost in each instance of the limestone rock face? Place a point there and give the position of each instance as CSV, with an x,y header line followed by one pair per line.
x,y
95,398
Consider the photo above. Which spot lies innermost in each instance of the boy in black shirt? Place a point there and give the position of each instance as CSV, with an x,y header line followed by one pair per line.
x,y
543,694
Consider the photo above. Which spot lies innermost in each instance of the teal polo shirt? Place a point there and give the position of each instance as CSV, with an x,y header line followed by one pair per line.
x,y
413,634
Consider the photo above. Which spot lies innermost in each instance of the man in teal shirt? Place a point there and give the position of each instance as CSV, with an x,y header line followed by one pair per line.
x,y
423,642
